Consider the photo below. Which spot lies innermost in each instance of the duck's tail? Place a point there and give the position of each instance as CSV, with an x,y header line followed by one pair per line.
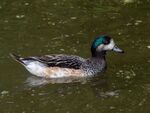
x,y
17,58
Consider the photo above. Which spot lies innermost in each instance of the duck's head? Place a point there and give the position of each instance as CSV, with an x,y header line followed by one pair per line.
x,y
102,44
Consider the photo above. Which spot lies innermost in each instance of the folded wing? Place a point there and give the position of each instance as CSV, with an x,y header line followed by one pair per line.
x,y
63,61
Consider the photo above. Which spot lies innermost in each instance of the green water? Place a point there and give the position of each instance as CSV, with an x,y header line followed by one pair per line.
x,y
41,27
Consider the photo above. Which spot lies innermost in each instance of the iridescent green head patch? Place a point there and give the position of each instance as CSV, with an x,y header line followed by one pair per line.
x,y
101,40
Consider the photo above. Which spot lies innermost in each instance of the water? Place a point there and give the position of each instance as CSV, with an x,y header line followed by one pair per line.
x,y
69,26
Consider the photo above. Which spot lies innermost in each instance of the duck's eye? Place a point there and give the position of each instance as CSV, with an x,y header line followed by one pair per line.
x,y
105,42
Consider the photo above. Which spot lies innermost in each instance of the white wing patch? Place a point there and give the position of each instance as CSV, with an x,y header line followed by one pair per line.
x,y
36,68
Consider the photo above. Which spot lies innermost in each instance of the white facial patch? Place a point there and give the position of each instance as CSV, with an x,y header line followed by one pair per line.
x,y
110,46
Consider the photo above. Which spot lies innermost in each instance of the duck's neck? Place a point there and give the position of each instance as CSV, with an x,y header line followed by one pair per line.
x,y
95,64
99,55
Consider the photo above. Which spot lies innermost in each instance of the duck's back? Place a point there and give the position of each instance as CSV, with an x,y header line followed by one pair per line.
x,y
61,60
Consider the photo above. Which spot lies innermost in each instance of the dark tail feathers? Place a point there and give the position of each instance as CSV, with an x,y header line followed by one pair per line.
x,y
17,58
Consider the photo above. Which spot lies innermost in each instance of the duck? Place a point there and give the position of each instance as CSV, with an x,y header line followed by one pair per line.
x,y
62,65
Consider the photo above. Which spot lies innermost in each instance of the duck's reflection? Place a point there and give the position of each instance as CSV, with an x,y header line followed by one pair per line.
x,y
34,81
99,85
